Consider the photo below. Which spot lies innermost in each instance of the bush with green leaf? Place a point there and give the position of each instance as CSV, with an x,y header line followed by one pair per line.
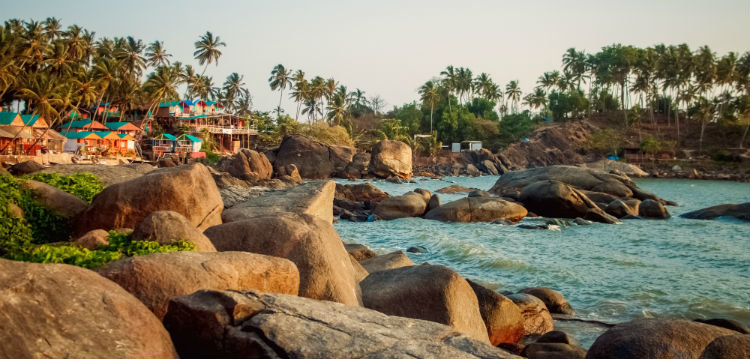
x,y
83,185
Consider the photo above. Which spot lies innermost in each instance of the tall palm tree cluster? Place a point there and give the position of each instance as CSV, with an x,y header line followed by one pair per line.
x,y
321,98
55,72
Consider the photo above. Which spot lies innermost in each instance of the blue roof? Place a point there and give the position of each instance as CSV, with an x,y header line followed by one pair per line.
x,y
79,135
6,118
115,125
169,103
103,134
193,138
166,136
29,120
78,124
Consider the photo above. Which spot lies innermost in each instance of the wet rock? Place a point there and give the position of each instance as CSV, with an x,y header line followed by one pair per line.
x,y
157,278
410,204
60,311
360,252
728,347
501,316
252,324
556,336
554,301
167,227
536,317
619,209
360,192
434,202
558,200
653,210
416,250
478,209
656,338
739,211
387,261
308,241
429,292
479,193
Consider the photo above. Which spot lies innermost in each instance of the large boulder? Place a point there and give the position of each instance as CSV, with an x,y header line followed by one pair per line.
x,y
410,204
250,165
429,292
166,227
25,168
108,174
478,209
358,251
229,324
618,208
656,338
511,184
58,201
553,351
501,316
454,188
314,198
609,166
536,317
157,278
188,190
311,158
340,157
391,158
558,200
359,166
61,311
554,301
728,347
388,261
310,242
739,211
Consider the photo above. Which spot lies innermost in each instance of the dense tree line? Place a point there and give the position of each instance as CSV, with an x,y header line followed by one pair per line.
x,y
55,71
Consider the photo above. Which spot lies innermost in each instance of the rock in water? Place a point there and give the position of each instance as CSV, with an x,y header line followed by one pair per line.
x,y
360,192
653,209
61,311
655,338
391,158
478,209
256,325
157,278
410,204
429,292
558,200
387,261
166,227
188,190
536,317
358,251
501,316
739,211
310,242
554,301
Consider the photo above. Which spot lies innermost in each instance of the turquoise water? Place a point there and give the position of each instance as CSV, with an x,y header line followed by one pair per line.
x,y
612,273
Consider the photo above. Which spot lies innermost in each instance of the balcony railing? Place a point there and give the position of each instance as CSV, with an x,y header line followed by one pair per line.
x,y
226,130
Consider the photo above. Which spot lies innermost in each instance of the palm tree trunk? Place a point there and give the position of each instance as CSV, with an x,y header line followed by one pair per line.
x,y
744,135
700,141
432,106
622,100
278,110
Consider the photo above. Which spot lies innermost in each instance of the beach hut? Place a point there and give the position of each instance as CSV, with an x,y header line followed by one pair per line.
x,y
53,140
109,140
126,143
163,143
10,119
189,143
123,128
86,139
83,126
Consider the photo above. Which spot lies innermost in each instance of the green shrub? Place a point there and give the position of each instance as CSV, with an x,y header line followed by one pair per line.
x,y
82,185
46,226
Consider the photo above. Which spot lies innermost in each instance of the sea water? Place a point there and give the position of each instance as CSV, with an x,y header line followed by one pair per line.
x,y
677,268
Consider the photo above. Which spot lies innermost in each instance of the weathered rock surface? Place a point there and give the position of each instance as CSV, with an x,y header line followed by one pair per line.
x,y
157,278
289,173
188,190
58,201
166,227
340,157
619,208
609,166
478,209
310,242
93,239
314,160
360,192
501,316
359,166
358,251
652,209
429,292
547,146
251,324
536,317
391,158
360,273
249,165
656,338
555,302
108,174
558,200
454,188
25,168
410,204
314,198
739,211
726,323
60,311
728,347
388,261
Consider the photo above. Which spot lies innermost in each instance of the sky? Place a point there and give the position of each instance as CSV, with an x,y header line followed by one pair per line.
x,y
391,47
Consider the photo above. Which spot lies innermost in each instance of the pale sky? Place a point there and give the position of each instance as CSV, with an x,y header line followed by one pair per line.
x,y
390,47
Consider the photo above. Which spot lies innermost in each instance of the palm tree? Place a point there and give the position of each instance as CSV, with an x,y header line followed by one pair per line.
x,y
464,83
157,55
513,93
549,80
43,95
449,82
483,85
207,50
128,52
244,103
536,99
232,87
280,79
742,84
52,28
574,63
161,85
430,94
301,86
338,107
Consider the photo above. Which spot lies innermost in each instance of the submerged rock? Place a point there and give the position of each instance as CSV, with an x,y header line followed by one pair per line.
x,y
739,211
652,209
410,204
556,199
554,301
252,324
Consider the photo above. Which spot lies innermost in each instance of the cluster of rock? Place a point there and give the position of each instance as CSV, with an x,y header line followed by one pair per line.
x,y
468,163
